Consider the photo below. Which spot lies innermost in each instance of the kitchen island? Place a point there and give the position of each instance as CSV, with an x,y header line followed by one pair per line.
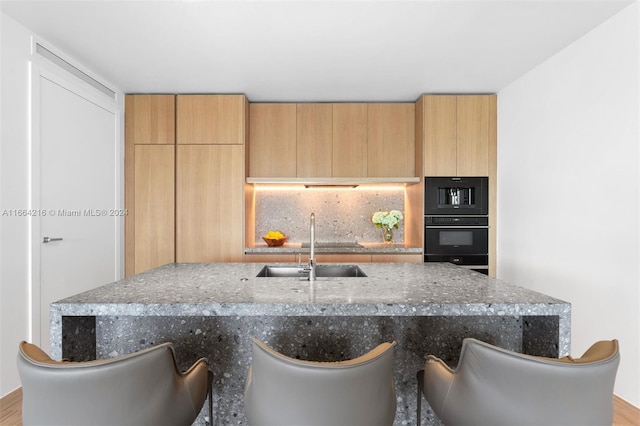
x,y
213,310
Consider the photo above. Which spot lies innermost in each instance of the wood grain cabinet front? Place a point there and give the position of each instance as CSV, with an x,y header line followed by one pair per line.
x,y
314,140
391,140
332,140
271,258
209,203
397,258
154,223
319,140
149,188
473,127
149,119
210,119
185,202
459,134
339,258
272,140
349,140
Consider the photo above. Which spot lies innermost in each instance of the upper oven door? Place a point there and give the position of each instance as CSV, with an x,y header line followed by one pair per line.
x,y
456,195
456,240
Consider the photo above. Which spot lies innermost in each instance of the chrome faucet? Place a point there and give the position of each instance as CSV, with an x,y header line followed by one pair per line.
x,y
312,247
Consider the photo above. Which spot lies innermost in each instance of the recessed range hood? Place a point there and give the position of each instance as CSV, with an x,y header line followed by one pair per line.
x,y
327,182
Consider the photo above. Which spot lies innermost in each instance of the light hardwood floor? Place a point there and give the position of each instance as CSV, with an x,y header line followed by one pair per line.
x,y
11,409
624,414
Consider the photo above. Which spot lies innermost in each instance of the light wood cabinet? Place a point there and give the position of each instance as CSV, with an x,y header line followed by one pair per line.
x,y
473,135
271,258
272,140
209,200
149,181
210,119
332,140
314,140
154,207
440,135
185,205
391,140
457,134
397,258
349,140
150,119
340,258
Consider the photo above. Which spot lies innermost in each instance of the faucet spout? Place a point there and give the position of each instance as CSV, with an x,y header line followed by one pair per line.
x,y
312,248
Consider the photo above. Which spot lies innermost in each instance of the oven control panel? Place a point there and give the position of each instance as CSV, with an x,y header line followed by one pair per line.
x,y
456,221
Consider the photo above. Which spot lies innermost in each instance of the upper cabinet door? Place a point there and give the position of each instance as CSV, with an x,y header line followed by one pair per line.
x,y
459,134
473,135
149,119
211,119
440,134
350,140
314,140
391,136
272,140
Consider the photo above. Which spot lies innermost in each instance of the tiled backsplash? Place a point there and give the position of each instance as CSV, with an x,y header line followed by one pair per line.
x,y
341,214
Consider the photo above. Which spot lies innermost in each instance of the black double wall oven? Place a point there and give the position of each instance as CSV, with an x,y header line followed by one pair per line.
x,y
456,221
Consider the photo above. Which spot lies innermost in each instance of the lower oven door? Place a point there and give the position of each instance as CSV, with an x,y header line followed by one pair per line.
x,y
465,246
456,241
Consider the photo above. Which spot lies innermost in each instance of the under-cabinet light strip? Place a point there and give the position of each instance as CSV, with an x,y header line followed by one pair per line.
x,y
279,187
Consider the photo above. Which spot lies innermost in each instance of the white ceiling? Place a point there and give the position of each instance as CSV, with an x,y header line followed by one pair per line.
x,y
311,50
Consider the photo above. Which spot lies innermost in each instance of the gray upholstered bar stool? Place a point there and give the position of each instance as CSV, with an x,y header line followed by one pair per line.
x,y
290,392
494,386
142,388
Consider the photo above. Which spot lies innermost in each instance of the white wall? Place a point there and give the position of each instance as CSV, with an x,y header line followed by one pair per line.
x,y
568,187
14,194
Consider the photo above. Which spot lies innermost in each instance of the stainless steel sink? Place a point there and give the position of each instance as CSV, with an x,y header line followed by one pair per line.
x,y
351,271
325,270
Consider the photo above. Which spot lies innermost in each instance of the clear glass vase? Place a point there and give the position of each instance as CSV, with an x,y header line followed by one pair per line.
x,y
387,234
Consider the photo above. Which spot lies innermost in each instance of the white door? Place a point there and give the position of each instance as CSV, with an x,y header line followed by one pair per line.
x,y
78,196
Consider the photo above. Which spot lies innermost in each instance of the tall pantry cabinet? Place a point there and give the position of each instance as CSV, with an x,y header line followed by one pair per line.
x,y
459,137
149,182
184,179
210,177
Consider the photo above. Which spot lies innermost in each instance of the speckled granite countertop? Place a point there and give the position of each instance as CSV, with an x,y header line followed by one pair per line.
x,y
364,248
390,289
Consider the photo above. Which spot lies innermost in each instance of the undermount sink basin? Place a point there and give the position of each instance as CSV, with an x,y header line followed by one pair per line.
x,y
279,271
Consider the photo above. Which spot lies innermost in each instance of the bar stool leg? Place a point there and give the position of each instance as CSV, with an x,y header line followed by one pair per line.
x,y
420,377
210,391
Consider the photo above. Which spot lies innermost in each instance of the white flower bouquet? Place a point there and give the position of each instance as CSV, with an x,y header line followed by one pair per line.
x,y
390,219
